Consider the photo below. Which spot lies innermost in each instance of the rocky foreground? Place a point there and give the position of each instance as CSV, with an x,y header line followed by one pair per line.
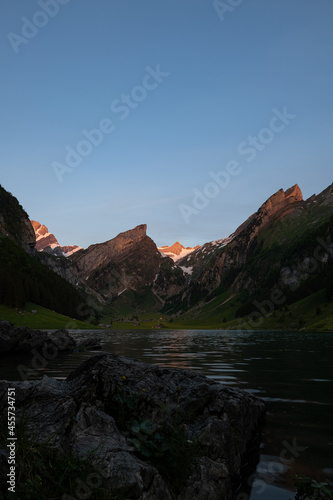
x,y
23,340
150,432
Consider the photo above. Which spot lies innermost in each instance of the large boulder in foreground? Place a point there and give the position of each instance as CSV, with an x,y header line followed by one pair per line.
x,y
155,432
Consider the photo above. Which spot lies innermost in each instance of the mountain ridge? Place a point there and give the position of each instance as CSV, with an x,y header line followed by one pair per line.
x,y
267,253
47,242
14,222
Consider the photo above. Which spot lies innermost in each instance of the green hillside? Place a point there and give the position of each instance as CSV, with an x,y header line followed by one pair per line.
x,y
41,319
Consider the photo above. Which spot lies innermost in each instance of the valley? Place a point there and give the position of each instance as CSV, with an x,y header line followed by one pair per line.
x,y
275,271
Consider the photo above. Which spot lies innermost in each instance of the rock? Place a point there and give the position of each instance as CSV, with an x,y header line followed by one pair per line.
x,y
3,467
115,410
63,341
47,242
280,201
6,340
43,237
224,268
14,222
130,261
87,344
24,340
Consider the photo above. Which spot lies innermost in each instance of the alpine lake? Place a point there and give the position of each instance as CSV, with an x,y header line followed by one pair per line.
x,y
291,371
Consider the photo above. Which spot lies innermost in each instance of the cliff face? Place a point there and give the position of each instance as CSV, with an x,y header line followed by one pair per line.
x,y
279,204
46,241
129,261
224,265
14,221
43,237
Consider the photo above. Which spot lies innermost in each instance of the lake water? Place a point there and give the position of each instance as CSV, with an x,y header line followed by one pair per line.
x,y
291,371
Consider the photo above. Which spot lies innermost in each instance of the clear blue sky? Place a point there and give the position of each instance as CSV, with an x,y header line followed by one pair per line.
x,y
223,74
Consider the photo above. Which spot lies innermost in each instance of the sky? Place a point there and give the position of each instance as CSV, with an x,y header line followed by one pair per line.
x,y
182,115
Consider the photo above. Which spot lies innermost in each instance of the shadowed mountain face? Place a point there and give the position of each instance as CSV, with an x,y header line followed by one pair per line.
x,y
14,221
267,252
23,278
131,260
258,254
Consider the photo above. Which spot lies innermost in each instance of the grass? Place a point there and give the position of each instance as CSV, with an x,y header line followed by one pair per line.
x,y
309,489
43,319
312,313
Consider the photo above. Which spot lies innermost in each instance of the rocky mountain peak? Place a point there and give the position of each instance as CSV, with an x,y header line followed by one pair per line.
x,y
176,248
46,241
294,192
43,237
135,234
280,199
177,251
128,261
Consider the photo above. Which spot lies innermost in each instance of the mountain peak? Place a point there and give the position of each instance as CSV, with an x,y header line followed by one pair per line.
x,y
46,240
280,199
177,251
280,202
294,192
176,248
135,234
43,237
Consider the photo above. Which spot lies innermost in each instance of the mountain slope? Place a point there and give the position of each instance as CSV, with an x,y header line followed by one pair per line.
x,y
14,221
129,263
268,254
23,278
280,257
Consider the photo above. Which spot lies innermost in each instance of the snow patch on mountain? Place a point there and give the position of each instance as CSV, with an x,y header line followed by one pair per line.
x,y
47,242
177,251
187,270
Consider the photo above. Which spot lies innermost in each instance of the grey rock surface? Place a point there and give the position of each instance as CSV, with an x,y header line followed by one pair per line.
x,y
111,408
24,340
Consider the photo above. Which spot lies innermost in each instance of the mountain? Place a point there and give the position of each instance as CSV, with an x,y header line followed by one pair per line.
x,y
129,264
284,249
177,251
14,221
47,242
23,278
279,257
200,253
278,205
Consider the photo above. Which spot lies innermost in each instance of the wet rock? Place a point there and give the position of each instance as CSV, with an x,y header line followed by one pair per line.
x,y
123,414
89,344
25,340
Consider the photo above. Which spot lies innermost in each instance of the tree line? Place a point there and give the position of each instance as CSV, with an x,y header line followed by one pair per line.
x,y
23,279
